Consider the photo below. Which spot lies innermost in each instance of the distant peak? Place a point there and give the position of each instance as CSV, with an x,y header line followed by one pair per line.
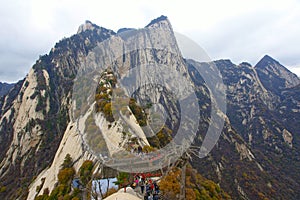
x,y
88,25
125,29
157,20
274,75
265,61
88,22
226,61
245,64
267,57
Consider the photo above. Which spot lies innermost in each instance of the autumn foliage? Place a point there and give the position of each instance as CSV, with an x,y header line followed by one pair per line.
x,y
196,186
63,189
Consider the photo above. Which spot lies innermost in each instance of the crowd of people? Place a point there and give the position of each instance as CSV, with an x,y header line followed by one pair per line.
x,y
148,187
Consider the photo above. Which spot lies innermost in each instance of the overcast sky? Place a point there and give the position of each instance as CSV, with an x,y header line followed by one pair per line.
x,y
241,30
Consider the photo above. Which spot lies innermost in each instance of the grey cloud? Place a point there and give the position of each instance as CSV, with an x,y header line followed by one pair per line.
x,y
13,69
246,37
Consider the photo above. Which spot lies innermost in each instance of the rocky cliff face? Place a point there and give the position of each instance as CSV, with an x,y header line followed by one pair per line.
x,y
274,76
262,137
256,156
130,51
35,114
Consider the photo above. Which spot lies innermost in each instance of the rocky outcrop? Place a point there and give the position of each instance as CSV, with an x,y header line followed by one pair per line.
x,y
72,142
274,76
35,113
253,133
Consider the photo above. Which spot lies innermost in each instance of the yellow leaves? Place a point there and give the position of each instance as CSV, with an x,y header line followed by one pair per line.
x,y
138,112
148,149
164,136
196,186
102,96
2,189
65,175
190,194
107,111
170,184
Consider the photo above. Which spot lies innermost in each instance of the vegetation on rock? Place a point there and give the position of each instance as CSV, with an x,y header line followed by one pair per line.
x,y
196,186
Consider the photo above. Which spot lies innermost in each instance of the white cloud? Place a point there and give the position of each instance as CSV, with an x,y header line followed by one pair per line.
x,y
239,30
295,70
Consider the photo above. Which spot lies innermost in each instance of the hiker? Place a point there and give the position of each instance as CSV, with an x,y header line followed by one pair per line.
x,y
151,189
148,189
143,177
135,182
156,191
151,185
156,187
142,184
146,197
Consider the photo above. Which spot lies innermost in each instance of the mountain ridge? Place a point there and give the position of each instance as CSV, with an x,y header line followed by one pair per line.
x,y
265,60
274,75
256,140
5,87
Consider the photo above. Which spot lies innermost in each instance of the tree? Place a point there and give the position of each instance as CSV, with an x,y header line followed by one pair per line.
x,y
195,186
170,184
148,149
68,162
122,180
66,175
86,171
63,188
85,175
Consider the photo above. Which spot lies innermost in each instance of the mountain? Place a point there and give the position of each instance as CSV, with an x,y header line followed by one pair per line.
x,y
4,88
34,115
274,76
44,115
266,126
